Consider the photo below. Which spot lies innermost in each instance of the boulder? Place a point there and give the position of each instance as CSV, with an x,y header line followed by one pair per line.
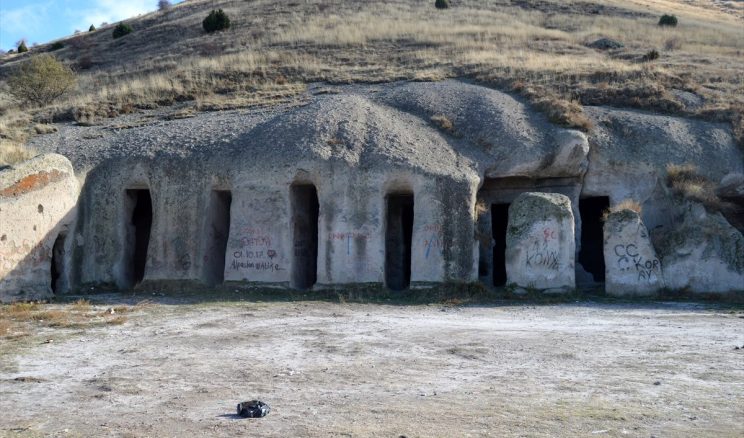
x,y
704,254
631,264
731,186
572,154
731,191
540,245
37,205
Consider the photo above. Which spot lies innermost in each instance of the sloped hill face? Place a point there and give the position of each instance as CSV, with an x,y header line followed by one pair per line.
x,y
355,131
369,127
506,137
542,49
652,139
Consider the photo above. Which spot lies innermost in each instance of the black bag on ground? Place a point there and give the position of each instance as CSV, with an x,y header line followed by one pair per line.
x,y
253,409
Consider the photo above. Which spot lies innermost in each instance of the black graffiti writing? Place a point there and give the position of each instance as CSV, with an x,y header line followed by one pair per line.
x,y
629,258
542,257
625,251
258,266
250,254
259,260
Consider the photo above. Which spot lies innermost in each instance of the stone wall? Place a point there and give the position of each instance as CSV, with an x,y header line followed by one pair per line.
x,y
277,235
318,228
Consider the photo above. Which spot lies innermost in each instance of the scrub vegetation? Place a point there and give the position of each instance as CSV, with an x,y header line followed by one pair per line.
x,y
685,181
20,320
625,204
538,49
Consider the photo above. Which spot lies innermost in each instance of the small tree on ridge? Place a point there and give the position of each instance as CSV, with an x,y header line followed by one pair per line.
x,y
40,80
122,29
216,20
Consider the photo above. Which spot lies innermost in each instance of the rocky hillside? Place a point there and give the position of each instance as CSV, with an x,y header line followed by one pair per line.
x,y
546,50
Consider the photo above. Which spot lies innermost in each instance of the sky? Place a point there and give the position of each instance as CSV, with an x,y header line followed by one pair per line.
x,y
41,21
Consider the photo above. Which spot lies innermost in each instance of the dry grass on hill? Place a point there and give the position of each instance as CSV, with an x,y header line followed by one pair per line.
x,y
535,47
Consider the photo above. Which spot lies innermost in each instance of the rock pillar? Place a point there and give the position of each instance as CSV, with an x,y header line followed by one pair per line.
x,y
540,245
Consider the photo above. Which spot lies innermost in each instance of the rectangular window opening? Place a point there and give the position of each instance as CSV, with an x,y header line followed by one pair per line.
x,y
398,240
218,230
305,215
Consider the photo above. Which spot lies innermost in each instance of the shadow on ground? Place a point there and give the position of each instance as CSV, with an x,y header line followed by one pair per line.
x,y
474,294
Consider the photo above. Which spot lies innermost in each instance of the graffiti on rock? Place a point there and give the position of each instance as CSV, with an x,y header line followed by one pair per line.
x,y
255,252
629,259
434,239
256,260
540,255
348,237
543,252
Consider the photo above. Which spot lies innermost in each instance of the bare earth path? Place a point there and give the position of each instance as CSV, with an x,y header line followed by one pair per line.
x,y
327,369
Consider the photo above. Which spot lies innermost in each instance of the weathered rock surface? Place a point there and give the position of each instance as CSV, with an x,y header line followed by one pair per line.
x,y
38,201
731,191
731,186
217,200
703,254
540,246
631,264
631,149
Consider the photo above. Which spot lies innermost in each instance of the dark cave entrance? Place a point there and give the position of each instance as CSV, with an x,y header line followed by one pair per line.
x,y
139,238
591,255
398,241
57,265
218,230
499,222
305,215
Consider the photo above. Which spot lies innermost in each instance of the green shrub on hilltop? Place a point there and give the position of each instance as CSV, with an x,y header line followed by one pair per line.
x,y
668,20
122,29
651,55
216,20
22,47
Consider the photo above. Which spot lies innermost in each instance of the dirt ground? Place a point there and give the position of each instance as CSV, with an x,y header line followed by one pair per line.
x,y
335,369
